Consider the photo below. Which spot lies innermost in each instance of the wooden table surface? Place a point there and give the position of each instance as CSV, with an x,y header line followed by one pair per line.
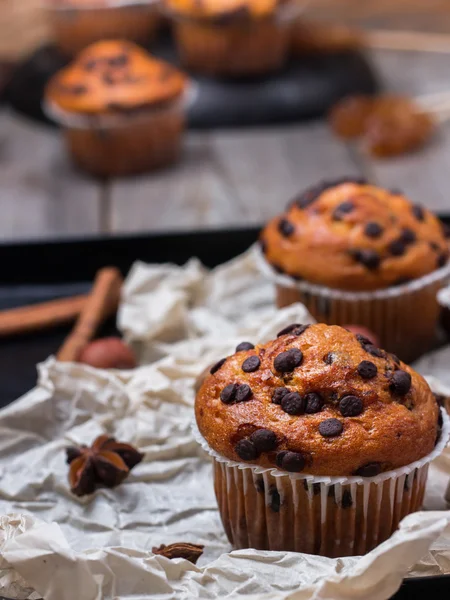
x,y
227,178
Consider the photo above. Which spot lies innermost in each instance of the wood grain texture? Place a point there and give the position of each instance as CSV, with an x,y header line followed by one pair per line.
x,y
191,195
230,178
41,195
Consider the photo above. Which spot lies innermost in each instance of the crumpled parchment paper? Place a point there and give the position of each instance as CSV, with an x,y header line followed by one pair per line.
x,y
59,547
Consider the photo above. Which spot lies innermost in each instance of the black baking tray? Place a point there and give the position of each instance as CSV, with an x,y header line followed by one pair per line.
x,y
305,88
39,271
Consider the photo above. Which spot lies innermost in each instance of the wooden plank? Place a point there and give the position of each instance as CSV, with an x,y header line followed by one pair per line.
x,y
192,194
268,167
414,73
229,178
41,194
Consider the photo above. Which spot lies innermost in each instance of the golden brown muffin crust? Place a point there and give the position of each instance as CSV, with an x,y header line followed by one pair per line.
x,y
333,405
224,9
354,236
114,76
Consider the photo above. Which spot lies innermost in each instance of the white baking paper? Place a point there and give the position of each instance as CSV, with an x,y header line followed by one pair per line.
x,y
59,547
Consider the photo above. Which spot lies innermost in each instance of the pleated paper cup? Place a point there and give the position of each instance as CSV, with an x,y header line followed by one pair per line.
x,y
268,509
404,317
125,143
235,46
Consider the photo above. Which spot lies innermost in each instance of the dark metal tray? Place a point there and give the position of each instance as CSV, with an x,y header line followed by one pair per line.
x,y
46,270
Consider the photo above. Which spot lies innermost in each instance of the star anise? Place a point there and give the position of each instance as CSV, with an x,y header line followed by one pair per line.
x,y
106,463
190,552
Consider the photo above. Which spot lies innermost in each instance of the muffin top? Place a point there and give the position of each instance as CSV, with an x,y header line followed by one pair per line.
x,y
317,400
112,76
224,10
350,235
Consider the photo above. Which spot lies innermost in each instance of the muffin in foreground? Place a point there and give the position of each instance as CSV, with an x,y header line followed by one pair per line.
x,y
321,441
231,37
121,109
78,23
356,253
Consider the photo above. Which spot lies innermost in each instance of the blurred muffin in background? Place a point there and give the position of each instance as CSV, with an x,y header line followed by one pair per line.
x,y
232,37
352,252
121,109
77,23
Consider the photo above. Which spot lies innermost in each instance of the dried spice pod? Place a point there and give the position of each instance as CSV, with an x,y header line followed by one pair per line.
x,y
190,552
106,463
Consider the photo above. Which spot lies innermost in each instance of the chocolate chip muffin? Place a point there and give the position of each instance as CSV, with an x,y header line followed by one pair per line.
x,y
78,23
122,110
343,423
231,38
357,253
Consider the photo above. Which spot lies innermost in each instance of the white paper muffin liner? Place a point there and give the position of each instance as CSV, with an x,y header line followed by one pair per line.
x,y
269,509
74,120
404,317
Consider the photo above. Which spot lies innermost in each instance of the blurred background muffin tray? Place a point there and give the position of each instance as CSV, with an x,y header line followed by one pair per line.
x,y
303,89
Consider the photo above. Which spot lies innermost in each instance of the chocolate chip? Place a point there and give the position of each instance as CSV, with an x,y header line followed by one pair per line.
x,y
251,364
285,227
314,403
347,500
291,461
90,64
244,346
264,440
442,260
228,393
362,339
374,351
293,404
246,450
367,370
294,329
418,212
329,358
400,383
243,393
119,61
108,79
395,358
259,484
408,236
350,406
275,500
434,246
75,90
373,229
369,470
217,366
397,248
368,258
288,361
330,428
342,209
279,394
312,193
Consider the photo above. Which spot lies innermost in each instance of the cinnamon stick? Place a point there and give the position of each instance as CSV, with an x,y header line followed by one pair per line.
x,y
101,304
39,316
